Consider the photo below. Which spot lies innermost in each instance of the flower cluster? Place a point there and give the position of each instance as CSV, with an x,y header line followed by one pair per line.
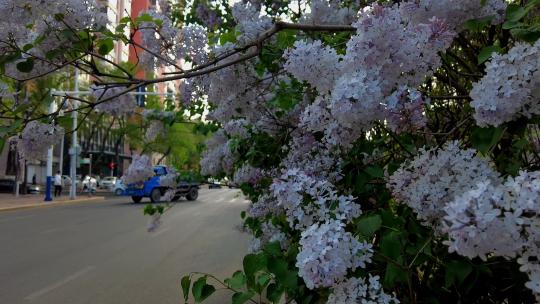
x,y
405,110
329,12
511,87
139,170
433,179
155,129
30,22
327,252
362,291
250,22
218,157
507,210
37,138
308,201
122,104
247,174
158,39
270,234
169,180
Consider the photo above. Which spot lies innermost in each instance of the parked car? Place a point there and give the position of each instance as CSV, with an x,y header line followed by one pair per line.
x,y
108,182
154,190
33,189
8,186
118,188
214,185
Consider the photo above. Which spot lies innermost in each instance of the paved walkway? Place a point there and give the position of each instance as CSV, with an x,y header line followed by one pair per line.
x,y
10,202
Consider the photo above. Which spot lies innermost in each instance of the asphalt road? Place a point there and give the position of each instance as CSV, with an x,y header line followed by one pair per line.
x,y
102,253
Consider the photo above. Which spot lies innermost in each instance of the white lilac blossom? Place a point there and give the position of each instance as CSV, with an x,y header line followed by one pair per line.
x,y
265,204
218,157
511,87
473,218
169,180
455,12
328,252
310,155
328,12
209,17
509,211
158,38
155,129
434,177
270,234
308,201
404,110
124,104
139,170
314,63
360,291
386,53
154,223
168,196
237,128
36,138
193,44
250,22
248,174
30,22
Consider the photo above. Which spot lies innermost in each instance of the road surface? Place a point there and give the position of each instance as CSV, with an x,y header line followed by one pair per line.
x,y
102,253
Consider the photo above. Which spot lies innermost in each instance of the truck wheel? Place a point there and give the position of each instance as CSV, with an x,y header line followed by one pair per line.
x,y
155,196
192,194
136,199
118,192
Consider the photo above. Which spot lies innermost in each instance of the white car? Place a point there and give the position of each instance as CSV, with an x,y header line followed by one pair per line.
x,y
118,187
108,182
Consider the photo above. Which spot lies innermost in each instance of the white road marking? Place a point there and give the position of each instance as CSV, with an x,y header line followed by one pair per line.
x,y
15,218
59,284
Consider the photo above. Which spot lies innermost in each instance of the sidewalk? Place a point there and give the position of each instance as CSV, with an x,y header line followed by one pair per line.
x,y
10,202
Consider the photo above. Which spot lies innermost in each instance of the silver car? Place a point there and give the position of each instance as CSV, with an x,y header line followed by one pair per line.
x,y
108,182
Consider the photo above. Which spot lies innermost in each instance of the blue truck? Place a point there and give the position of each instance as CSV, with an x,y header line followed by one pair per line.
x,y
154,190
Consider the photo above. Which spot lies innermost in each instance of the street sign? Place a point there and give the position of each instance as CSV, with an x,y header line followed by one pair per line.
x,y
85,161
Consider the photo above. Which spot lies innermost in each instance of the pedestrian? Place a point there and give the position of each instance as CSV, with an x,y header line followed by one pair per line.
x,y
58,184
34,178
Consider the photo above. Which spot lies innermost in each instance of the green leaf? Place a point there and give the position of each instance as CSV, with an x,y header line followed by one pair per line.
x,y
375,171
201,290
284,276
2,143
105,46
186,283
26,66
456,272
263,280
252,264
394,274
487,52
368,225
483,139
515,12
477,25
237,281
274,293
391,245
242,297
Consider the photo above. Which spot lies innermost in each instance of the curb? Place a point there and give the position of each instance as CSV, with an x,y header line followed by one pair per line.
x,y
52,204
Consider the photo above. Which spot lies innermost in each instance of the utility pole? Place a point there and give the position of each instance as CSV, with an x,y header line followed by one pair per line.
x,y
48,187
74,145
